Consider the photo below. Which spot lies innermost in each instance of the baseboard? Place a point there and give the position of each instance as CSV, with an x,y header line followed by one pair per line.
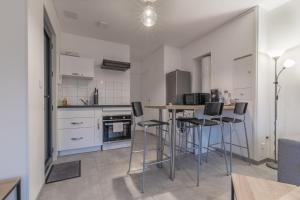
x,y
77,151
116,145
243,158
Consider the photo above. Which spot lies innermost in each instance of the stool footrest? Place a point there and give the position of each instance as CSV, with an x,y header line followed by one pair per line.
x,y
140,151
236,145
157,162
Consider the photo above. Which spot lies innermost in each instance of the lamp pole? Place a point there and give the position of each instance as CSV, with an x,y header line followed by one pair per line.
x,y
274,164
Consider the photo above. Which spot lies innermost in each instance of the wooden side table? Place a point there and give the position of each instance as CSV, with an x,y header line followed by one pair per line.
x,y
8,185
250,188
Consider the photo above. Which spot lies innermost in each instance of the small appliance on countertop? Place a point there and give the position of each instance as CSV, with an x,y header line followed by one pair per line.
x,y
214,95
196,98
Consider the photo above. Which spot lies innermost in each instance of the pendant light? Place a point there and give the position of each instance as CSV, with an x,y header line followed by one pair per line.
x,y
149,15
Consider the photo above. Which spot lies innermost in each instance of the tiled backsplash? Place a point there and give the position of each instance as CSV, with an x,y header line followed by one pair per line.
x,y
110,91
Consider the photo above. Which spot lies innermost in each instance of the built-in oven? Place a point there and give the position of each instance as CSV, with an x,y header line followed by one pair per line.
x,y
116,127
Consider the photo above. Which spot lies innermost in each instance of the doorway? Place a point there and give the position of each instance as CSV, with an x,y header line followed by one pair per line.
x,y
203,74
48,97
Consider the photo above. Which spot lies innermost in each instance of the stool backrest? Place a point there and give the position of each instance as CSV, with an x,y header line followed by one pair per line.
x,y
213,109
137,109
240,108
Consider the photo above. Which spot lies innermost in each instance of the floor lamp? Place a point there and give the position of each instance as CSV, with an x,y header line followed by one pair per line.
x,y
287,64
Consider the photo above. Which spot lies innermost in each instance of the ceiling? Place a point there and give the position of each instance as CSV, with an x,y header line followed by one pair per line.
x,y
179,21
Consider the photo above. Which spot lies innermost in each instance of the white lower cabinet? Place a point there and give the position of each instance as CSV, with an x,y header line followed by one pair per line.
x,y
75,138
79,128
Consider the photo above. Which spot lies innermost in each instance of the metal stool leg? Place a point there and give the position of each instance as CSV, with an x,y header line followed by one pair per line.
x,y
160,142
170,149
247,143
208,144
131,148
144,159
224,148
187,132
230,143
199,153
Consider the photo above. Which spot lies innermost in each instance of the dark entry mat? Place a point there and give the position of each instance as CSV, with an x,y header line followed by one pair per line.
x,y
64,171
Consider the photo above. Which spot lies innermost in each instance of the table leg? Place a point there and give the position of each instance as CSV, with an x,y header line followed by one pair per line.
x,y
19,190
173,144
160,142
232,191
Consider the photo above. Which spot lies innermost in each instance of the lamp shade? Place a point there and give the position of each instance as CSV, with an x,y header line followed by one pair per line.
x,y
275,53
289,63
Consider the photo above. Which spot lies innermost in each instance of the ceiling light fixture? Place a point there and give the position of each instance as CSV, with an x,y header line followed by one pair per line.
x,y
149,16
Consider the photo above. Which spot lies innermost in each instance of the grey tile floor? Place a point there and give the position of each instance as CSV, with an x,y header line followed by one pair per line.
x,y
104,177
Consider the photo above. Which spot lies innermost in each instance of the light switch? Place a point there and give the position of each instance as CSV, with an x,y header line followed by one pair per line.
x,y
40,84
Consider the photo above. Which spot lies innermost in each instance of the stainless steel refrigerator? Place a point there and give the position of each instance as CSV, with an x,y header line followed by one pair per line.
x,y
177,83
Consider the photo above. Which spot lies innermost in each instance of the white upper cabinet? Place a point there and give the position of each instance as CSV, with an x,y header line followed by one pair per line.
x,y
76,66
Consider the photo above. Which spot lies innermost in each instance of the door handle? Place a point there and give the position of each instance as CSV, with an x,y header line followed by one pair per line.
x,y
76,123
75,139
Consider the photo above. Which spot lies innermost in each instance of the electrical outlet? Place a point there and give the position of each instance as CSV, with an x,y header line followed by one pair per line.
x,y
262,145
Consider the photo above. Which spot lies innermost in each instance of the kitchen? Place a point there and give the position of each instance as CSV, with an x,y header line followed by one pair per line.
x,y
147,99
94,100
90,95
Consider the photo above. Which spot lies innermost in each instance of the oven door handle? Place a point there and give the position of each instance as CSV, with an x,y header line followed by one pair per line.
x,y
111,123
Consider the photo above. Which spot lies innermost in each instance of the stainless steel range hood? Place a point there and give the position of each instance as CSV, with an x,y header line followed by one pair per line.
x,y
115,65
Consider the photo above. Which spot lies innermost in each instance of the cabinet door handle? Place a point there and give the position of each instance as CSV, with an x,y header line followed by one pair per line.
x,y
75,74
75,139
76,123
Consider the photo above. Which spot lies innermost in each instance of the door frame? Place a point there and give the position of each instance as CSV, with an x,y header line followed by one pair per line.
x,y
54,68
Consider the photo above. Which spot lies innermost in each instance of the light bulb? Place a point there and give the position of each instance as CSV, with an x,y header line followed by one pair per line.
x,y
289,63
149,16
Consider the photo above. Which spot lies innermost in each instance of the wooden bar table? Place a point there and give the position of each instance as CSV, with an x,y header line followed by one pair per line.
x,y
173,108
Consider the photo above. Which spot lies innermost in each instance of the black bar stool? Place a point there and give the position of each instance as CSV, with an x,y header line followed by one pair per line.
x,y
210,110
239,116
138,112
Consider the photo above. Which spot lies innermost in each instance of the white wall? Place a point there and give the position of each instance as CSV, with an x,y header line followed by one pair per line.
x,y
153,77
22,150
279,30
13,87
114,86
36,155
135,81
232,40
172,59
35,97
153,82
265,92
